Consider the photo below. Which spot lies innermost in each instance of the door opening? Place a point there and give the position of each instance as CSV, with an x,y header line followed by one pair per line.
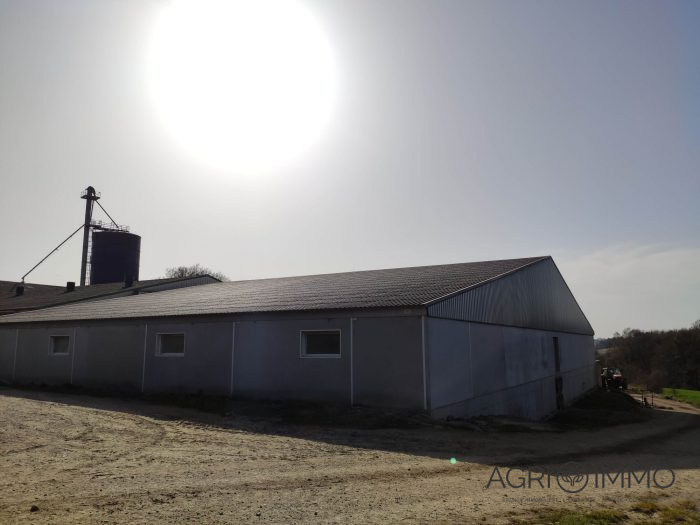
x,y
558,380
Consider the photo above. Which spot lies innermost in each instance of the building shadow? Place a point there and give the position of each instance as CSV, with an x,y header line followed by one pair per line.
x,y
585,438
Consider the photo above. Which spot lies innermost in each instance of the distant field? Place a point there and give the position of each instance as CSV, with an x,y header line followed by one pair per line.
x,y
679,394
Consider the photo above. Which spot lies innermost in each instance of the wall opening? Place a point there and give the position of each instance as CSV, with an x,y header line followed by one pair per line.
x,y
558,379
170,344
320,343
59,345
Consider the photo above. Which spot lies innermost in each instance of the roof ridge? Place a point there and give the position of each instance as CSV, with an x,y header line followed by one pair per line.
x,y
422,267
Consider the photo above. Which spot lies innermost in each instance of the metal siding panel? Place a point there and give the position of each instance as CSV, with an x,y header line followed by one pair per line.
x,y
268,362
513,369
8,339
450,369
205,365
534,297
388,362
109,356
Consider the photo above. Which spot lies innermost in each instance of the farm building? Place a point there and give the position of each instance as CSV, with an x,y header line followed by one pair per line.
x,y
495,337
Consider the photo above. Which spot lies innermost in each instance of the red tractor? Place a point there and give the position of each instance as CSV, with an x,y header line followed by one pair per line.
x,y
612,378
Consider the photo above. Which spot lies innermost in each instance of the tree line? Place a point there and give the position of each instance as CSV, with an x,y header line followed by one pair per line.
x,y
194,270
656,359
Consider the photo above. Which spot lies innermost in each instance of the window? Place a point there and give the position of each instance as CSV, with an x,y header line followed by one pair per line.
x,y
59,345
320,343
170,344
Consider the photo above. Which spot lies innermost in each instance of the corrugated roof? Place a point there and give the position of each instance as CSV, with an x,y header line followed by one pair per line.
x,y
42,295
399,287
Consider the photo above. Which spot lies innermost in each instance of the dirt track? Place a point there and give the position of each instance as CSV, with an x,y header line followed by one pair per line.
x,y
91,459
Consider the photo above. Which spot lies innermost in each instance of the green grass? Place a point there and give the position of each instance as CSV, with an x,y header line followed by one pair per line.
x,y
646,506
675,513
682,512
680,394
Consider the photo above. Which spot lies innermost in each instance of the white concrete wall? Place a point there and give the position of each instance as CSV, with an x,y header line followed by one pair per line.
x,y
479,369
109,356
470,368
205,367
385,370
577,365
451,374
34,363
268,362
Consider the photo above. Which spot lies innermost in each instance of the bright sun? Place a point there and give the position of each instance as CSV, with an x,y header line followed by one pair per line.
x,y
245,85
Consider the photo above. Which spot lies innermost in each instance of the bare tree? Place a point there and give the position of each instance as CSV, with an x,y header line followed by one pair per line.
x,y
193,270
695,325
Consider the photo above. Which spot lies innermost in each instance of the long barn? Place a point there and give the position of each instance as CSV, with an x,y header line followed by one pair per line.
x,y
496,337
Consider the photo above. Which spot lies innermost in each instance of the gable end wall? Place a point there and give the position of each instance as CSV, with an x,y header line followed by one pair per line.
x,y
533,297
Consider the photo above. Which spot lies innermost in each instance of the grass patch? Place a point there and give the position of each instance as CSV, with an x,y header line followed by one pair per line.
x,y
683,512
676,513
646,506
681,394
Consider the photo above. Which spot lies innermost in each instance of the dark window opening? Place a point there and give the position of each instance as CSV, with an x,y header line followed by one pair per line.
x,y
171,344
320,343
59,345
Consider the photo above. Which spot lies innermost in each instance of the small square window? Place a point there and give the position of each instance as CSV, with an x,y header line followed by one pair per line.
x,y
171,344
320,343
59,345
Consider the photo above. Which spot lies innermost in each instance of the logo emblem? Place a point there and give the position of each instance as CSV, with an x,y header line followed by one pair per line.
x,y
570,477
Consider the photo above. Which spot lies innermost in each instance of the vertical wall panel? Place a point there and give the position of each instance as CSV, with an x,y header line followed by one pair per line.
x,y
449,360
388,362
34,363
109,355
488,357
513,369
205,366
268,362
7,353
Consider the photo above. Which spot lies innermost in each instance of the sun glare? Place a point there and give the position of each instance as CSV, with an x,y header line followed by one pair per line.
x,y
244,85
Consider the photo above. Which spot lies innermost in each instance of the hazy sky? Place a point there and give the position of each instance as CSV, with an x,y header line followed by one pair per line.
x,y
462,131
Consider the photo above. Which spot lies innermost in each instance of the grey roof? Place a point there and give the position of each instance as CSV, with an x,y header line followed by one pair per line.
x,y
44,295
400,287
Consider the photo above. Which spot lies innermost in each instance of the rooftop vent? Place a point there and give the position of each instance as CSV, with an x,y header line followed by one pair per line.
x,y
70,286
19,290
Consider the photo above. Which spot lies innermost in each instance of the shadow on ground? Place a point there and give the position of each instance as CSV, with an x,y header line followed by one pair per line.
x,y
602,424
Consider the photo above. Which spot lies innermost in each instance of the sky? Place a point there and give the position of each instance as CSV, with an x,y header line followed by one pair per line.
x,y
461,131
